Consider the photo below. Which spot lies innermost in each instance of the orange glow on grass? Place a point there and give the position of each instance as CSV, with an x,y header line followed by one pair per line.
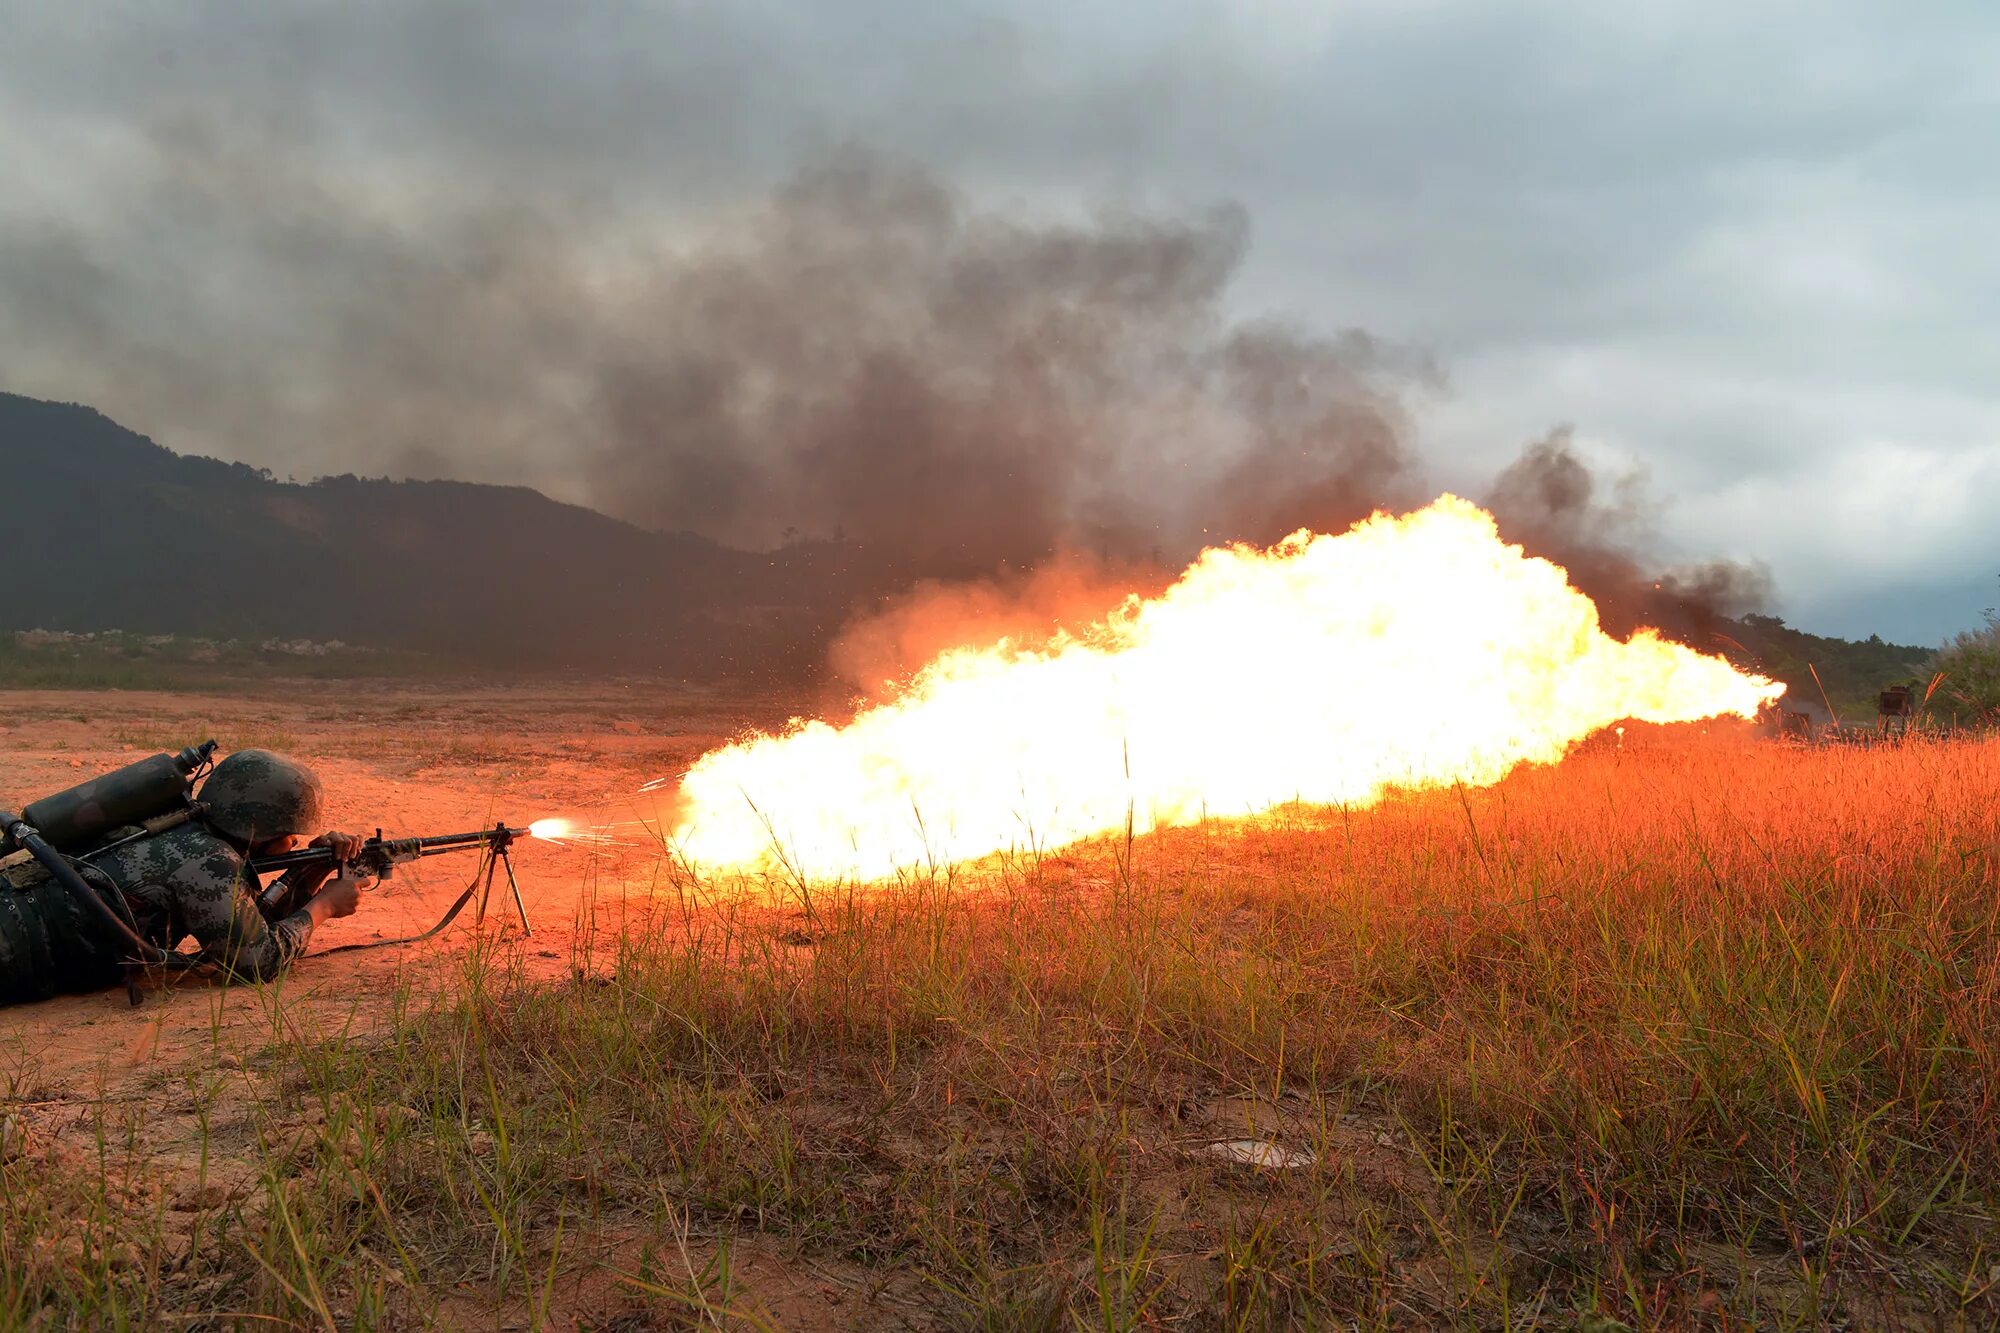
x,y
1413,651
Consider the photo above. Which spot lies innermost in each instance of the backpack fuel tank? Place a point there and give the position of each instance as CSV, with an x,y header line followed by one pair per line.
x,y
72,820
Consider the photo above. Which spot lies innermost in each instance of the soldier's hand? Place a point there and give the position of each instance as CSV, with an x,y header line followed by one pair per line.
x,y
344,845
341,894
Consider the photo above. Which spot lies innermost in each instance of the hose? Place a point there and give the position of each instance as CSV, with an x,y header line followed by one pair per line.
x,y
53,861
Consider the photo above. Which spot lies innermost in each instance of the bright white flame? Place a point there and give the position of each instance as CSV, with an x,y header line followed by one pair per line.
x,y
1408,652
570,833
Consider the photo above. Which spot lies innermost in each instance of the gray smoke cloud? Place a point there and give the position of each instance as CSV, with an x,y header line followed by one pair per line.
x,y
959,390
1596,526
861,356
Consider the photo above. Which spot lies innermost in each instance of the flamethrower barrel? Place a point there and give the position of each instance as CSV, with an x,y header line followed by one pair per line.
x,y
393,849
445,842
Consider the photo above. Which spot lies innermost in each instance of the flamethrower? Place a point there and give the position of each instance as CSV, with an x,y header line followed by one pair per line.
x,y
379,857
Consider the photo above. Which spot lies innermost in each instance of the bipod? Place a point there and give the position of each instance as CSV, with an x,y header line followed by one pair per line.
x,y
480,886
498,856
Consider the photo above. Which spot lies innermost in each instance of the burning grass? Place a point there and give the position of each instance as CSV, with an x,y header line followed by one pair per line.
x,y
1691,1033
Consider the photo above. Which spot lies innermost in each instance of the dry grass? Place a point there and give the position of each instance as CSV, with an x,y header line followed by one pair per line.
x,y
1696,1033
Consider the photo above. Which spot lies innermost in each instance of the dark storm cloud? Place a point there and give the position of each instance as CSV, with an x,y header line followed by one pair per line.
x,y
1745,248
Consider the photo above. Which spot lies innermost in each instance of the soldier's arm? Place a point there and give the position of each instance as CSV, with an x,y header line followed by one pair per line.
x,y
214,899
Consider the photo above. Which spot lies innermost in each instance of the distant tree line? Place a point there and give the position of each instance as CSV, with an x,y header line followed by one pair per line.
x,y
1850,672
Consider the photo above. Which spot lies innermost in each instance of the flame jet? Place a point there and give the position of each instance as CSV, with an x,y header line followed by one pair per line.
x,y
1407,652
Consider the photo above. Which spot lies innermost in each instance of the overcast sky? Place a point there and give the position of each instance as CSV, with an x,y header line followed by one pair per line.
x,y
1746,249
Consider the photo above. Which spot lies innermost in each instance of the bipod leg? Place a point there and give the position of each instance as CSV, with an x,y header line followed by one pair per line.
x,y
486,889
515,885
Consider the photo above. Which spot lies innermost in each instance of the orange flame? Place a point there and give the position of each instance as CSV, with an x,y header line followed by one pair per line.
x,y
1407,652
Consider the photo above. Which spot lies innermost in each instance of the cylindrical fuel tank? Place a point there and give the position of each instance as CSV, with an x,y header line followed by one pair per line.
x,y
73,819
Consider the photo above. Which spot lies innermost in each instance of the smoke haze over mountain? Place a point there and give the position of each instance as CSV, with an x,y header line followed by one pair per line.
x,y
862,355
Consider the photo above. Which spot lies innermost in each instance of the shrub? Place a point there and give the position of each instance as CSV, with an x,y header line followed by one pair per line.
x,y
1971,667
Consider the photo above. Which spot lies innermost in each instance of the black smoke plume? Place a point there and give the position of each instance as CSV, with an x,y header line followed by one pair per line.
x,y
1555,505
953,391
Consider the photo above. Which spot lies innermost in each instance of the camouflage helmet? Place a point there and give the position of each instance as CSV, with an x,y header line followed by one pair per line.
x,y
255,795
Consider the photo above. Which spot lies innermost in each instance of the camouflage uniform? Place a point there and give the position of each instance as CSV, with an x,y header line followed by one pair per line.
x,y
187,881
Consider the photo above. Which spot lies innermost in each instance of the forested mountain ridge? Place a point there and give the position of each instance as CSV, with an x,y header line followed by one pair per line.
x,y
108,529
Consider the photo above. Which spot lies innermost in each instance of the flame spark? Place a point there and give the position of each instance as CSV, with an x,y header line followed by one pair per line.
x,y
1413,651
570,833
